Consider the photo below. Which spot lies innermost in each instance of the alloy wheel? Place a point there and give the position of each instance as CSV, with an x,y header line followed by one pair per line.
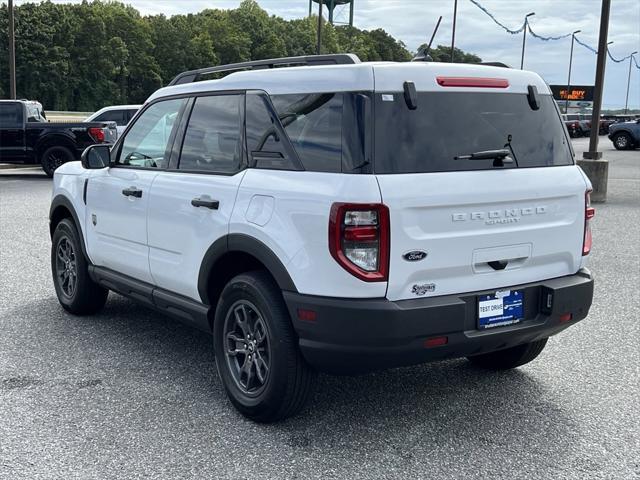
x,y
66,267
247,347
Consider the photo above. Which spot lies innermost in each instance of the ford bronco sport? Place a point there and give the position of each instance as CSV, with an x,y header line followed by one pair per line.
x,y
338,216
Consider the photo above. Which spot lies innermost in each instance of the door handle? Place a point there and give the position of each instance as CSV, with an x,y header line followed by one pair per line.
x,y
211,204
132,192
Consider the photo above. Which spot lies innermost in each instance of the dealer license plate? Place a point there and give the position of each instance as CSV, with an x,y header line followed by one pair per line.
x,y
504,307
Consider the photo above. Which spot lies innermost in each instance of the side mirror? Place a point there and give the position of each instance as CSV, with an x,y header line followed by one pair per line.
x,y
96,156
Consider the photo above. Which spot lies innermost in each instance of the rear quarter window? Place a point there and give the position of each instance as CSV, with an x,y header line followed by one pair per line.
x,y
313,123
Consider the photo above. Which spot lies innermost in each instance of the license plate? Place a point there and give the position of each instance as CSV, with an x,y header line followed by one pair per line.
x,y
504,307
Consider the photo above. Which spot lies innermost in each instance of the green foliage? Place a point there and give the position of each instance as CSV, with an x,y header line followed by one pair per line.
x,y
443,54
95,53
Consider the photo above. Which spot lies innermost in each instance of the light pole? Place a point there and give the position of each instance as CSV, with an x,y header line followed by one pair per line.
x,y
626,102
319,46
524,37
12,54
566,103
453,33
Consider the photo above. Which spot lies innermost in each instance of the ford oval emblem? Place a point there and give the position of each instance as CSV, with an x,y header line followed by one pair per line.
x,y
415,256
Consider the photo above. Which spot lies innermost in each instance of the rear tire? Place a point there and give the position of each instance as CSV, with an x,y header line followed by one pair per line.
x,y
53,157
510,357
622,141
257,352
76,292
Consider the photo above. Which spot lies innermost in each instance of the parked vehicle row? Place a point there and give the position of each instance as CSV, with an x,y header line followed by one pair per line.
x,y
27,137
313,219
579,125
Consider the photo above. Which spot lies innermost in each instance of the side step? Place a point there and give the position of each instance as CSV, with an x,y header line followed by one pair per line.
x,y
182,308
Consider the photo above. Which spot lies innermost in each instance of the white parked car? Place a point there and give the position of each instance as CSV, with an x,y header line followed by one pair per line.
x,y
120,114
337,216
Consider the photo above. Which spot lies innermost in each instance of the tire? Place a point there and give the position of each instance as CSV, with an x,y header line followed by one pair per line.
x,y
622,141
251,304
53,157
76,292
510,357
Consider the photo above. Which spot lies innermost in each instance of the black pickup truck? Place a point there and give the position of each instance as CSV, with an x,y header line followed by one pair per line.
x,y
27,137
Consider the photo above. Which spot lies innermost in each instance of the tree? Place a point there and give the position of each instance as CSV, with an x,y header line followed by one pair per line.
x,y
443,54
85,56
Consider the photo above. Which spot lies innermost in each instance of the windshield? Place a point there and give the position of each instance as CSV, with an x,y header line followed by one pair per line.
x,y
457,124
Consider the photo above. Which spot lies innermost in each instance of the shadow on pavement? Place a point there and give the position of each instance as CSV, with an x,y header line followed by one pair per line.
x,y
448,408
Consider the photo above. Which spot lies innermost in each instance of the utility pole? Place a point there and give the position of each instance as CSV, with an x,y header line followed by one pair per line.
x,y
319,27
626,101
524,37
596,168
12,54
566,104
453,33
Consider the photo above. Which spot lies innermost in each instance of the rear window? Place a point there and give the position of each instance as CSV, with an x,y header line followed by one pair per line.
x,y
10,114
448,125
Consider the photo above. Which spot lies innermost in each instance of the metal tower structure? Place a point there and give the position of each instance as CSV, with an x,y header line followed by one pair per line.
x,y
334,12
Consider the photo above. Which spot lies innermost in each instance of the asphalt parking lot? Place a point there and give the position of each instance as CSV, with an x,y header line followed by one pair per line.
x,y
132,394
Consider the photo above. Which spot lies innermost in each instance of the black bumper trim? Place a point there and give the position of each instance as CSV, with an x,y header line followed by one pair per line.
x,y
359,335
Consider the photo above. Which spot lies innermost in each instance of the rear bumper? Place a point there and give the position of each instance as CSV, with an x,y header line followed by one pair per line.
x,y
359,335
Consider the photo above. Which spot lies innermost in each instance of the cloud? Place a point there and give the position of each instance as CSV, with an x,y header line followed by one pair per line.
x,y
412,21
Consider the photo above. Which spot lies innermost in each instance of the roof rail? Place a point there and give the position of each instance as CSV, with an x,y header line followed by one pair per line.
x,y
309,60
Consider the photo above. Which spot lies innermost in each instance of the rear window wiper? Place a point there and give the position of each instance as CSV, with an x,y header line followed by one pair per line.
x,y
500,156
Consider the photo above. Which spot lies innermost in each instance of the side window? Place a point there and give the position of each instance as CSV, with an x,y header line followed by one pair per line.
x,y
313,123
212,139
129,114
10,115
265,146
112,116
148,142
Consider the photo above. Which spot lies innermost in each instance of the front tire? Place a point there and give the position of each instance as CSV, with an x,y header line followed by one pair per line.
x,y
256,350
53,157
622,141
76,292
509,357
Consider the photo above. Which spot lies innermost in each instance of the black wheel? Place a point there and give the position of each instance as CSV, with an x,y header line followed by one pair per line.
x,y
622,141
510,357
256,350
76,292
53,157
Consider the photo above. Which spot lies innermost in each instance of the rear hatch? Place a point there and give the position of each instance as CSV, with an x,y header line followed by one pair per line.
x,y
466,224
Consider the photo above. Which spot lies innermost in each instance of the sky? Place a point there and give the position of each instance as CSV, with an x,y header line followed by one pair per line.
x,y
413,21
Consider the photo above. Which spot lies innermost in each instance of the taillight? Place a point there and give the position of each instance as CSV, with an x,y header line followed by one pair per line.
x,y
359,239
589,213
97,134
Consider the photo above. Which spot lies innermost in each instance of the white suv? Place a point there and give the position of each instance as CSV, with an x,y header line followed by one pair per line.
x,y
335,216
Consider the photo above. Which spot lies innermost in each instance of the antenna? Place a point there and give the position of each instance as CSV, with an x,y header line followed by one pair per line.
x,y
423,55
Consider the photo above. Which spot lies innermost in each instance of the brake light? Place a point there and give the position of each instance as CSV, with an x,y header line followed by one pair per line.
x,y
359,239
478,82
97,134
589,213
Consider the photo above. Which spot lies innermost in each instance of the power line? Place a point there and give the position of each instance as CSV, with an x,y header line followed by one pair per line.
x,y
527,25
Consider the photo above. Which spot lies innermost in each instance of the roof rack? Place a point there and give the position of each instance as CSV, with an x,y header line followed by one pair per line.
x,y
307,60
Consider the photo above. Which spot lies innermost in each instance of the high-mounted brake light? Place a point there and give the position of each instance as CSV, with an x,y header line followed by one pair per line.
x,y
478,82
359,239
589,213
97,134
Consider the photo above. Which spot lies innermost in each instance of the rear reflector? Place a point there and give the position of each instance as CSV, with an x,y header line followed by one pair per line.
x,y
307,315
436,342
565,317
477,82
